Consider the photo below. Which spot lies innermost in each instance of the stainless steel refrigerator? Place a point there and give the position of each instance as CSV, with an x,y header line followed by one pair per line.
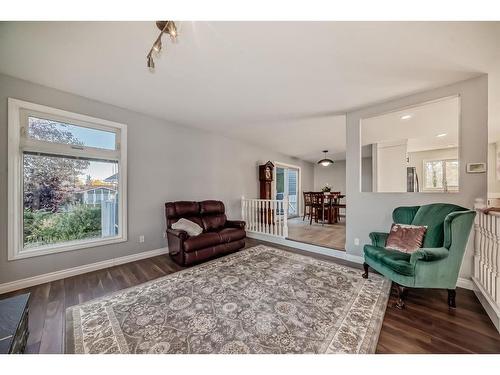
x,y
412,180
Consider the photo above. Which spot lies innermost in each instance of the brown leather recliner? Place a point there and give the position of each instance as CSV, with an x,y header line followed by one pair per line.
x,y
220,236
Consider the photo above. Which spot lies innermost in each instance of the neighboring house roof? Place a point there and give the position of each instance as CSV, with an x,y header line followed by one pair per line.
x,y
113,178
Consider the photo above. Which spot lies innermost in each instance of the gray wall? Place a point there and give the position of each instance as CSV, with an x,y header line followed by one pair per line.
x,y
333,175
165,162
367,174
336,175
369,212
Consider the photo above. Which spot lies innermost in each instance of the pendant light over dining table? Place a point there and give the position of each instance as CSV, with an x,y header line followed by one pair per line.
x,y
325,162
166,27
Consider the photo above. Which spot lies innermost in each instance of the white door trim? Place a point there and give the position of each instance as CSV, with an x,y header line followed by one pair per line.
x,y
299,183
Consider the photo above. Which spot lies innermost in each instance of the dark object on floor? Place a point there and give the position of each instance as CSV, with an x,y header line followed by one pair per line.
x,y
437,264
14,324
220,236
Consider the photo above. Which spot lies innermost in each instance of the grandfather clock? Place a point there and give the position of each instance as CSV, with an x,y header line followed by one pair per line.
x,y
265,178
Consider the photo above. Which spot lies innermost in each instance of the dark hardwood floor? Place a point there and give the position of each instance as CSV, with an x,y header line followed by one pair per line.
x,y
425,326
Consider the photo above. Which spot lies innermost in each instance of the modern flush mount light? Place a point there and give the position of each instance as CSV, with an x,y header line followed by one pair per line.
x,y
165,27
325,162
441,135
406,117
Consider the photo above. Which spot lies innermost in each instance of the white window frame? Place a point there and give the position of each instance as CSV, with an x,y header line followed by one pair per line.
x,y
18,142
445,188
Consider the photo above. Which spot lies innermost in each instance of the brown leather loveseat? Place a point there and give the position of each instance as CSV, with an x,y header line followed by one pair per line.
x,y
220,236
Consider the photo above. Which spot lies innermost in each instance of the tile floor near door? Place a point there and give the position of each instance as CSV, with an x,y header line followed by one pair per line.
x,y
328,235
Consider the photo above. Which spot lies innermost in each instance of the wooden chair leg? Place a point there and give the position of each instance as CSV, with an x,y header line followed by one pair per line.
x,y
452,293
365,267
402,294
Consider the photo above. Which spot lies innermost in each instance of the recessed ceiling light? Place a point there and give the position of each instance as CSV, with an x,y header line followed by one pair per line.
x,y
441,135
406,117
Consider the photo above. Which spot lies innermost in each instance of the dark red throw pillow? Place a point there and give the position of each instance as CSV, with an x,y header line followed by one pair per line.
x,y
406,238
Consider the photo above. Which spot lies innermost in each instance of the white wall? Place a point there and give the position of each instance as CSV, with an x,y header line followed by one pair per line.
x,y
369,212
389,166
166,162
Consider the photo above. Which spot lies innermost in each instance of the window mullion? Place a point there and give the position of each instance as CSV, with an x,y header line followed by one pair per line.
x,y
445,182
67,150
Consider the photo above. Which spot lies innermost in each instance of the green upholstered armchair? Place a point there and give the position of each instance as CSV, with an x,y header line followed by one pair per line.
x,y
437,263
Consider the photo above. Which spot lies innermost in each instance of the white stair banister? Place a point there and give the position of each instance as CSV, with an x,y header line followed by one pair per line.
x,y
265,216
486,277
285,217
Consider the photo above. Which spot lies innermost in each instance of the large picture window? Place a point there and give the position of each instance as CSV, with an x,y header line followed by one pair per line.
x,y
67,180
441,175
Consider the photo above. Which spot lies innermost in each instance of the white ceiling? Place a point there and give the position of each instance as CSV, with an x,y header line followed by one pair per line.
x,y
276,84
432,126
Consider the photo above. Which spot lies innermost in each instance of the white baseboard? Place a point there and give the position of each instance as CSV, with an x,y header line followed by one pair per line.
x,y
340,254
62,274
462,282
492,309
57,275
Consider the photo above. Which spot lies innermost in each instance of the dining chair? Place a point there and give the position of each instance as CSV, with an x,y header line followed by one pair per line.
x,y
317,207
337,205
307,204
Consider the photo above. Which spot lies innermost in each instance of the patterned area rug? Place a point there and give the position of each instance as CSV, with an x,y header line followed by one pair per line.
x,y
259,300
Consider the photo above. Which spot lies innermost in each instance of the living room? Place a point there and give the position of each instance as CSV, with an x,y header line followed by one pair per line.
x,y
233,187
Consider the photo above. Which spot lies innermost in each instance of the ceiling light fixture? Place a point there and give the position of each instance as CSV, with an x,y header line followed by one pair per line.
x,y
151,63
325,162
172,31
441,135
165,27
157,46
406,117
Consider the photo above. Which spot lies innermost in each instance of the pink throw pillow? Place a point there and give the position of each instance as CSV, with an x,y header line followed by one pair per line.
x,y
406,238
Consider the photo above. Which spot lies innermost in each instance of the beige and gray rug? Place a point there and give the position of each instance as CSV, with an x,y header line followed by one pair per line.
x,y
259,300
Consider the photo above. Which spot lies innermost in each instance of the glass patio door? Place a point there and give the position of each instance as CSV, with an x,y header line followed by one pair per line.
x,y
287,180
